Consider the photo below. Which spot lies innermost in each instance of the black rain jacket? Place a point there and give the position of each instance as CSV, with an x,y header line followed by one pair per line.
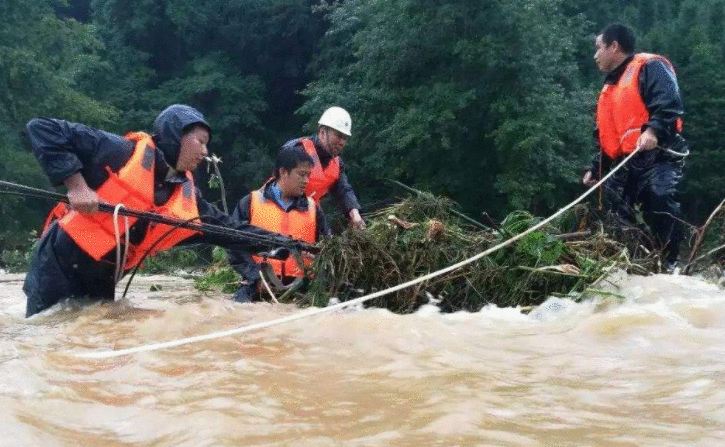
x,y
661,96
59,268
341,191
651,177
241,260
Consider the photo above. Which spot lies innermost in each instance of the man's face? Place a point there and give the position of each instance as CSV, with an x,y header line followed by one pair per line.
x,y
293,183
193,149
606,56
333,141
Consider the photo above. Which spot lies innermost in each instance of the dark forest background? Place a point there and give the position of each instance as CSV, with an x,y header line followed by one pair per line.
x,y
487,102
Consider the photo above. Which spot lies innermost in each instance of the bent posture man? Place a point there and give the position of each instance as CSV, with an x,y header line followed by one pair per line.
x,y
280,206
639,107
328,173
76,256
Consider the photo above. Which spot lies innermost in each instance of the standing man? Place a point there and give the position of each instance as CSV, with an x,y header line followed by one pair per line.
x,y
79,252
282,207
640,107
328,172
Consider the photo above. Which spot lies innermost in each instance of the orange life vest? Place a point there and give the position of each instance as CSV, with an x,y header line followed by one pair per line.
x,y
133,186
621,111
321,180
302,225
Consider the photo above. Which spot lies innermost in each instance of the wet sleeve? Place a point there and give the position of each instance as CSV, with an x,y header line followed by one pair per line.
x,y
241,211
63,149
596,163
240,259
661,94
246,267
600,164
343,193
323,230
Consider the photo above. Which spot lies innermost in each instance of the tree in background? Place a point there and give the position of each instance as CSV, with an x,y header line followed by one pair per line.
x,y
480,101
694,38
42,58
691,33
240,62
490,103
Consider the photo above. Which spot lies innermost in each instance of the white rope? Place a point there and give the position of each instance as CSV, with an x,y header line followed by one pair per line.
x,y
120,260
362,299
266,286
675,153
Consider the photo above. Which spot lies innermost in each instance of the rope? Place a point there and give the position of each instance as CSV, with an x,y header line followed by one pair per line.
x,y
266,286
218,230
360,300
150,249
120,259
675,153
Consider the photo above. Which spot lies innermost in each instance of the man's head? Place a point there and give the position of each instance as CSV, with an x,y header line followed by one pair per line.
x,y
292,171
182,134
613,45
333,129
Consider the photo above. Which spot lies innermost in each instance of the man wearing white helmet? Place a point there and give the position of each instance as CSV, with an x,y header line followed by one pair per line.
x,y
328,174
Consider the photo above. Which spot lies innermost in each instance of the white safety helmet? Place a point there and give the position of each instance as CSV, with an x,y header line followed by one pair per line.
x,y
338,119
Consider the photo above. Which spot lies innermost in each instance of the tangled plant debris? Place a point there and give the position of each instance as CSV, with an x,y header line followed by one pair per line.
x,y
420,235
424,233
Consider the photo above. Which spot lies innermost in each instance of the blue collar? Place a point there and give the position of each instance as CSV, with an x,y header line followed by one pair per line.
x,y
277,196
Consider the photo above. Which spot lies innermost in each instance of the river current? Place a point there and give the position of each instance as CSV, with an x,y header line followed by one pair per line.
x,y
642,367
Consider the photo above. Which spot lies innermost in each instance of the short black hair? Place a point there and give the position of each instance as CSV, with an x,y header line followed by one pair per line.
x,y
622,34
291,157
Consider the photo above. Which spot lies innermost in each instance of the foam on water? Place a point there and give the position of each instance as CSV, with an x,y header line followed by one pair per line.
x,y
641,363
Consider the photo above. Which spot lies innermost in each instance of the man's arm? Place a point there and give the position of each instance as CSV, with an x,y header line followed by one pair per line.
x,y
343,193
600,163
323,230
63,149
77,156
661,95
346,199
241,260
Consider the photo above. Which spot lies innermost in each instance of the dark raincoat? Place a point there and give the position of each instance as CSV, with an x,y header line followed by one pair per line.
x,y
341,190
651,178
59,268
242,261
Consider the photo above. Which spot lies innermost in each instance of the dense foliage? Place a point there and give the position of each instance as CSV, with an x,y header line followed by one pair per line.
x,y
489,103
41,58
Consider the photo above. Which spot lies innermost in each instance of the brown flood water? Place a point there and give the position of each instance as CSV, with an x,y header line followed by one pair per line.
x,y
647,371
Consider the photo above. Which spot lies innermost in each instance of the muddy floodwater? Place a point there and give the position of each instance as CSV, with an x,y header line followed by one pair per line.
x,y
646,368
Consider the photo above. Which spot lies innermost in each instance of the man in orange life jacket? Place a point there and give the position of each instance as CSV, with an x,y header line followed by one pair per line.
x,y
280,206
640,107
76,256
328,173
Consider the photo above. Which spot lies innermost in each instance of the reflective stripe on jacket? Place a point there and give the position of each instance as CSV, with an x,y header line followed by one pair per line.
x,y
621,111
295,223
132,186
321,180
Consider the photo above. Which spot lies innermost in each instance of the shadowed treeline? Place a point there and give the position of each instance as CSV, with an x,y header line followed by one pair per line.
x,y
489,103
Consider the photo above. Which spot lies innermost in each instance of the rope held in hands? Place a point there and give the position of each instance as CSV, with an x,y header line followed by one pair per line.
x,y
218,230
362,299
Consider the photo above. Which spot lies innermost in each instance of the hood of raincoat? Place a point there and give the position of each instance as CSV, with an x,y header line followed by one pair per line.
x,y
170,126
